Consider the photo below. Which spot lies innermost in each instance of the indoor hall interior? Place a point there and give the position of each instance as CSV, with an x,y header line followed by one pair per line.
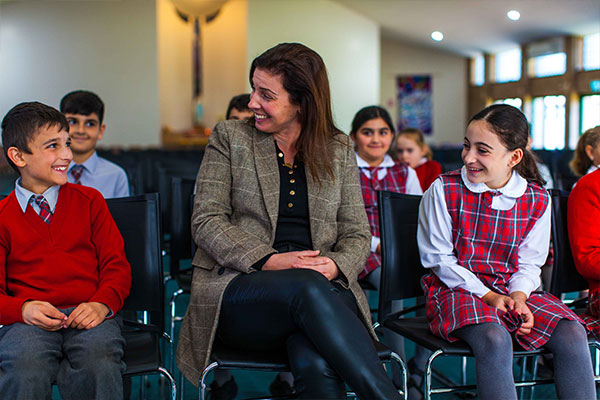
x,y
166,70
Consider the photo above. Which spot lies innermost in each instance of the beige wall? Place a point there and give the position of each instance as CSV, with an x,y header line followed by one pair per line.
x,y
49,48
449,79
347,41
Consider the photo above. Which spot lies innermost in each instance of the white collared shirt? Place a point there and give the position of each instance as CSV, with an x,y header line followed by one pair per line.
x,y
434,236
24,196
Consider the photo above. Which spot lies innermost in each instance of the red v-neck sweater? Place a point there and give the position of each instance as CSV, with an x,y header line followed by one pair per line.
x,y
78,257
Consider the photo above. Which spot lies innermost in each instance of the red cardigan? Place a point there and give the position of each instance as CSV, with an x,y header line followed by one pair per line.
x,y
428,172
79,257
584,227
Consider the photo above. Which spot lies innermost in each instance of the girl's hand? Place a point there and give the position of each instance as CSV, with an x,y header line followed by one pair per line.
x,y
501,302
520,307
287,260
324,265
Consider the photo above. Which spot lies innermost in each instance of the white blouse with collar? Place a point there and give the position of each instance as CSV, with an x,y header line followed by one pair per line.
x,y
434,237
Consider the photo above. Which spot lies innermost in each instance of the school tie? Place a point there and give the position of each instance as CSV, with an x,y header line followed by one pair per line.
x,y
76,171
374,171
45,212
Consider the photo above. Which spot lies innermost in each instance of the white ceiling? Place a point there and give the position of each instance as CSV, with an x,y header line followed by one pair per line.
x,y
475,26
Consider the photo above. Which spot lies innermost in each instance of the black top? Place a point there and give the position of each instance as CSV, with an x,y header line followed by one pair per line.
x,y
293,223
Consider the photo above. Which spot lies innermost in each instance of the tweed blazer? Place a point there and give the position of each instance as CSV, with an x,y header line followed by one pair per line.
x,y
234,221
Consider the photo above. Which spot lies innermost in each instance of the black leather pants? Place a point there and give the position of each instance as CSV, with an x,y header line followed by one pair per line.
x,y
315,321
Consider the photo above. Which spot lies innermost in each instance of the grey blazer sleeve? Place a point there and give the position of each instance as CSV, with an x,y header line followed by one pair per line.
x,y
352,247
212,229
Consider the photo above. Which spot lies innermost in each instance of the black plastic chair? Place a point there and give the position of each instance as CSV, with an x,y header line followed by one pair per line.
x,y
182,192
565,277
137,218
400,279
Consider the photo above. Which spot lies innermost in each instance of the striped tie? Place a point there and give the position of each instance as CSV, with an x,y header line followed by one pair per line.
x,y
76,171
45,212
374,171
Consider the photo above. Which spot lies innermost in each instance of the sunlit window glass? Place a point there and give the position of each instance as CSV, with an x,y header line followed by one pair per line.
x,y
508,65
590,112
514,101
548,122
550,64
591,51
478,78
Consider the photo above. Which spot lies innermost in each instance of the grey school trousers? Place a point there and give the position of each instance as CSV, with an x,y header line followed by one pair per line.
x,y
85,364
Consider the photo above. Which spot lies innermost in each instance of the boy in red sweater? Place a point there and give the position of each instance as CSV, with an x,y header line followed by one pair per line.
x,y
63,271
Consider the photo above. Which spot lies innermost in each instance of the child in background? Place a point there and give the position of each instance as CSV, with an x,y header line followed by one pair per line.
x,y
410,148
63,271
484,232
373,133
85,111
586,158
238,108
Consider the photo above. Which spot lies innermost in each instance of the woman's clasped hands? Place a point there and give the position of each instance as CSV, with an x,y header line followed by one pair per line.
x,y
309,259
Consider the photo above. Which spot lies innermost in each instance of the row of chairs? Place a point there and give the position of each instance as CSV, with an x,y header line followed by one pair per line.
x,y
402,271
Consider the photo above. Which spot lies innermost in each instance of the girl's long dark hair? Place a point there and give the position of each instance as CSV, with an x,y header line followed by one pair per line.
x,y
511,126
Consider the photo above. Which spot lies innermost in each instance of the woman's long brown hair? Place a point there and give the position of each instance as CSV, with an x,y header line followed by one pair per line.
x,y
304,77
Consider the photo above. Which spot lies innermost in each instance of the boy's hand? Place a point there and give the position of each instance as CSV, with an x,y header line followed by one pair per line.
x,y
521,307
500,301
43,315
87,316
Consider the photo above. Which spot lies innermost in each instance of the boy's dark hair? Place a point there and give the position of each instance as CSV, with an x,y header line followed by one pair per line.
x,y
239,102
82,102
24,121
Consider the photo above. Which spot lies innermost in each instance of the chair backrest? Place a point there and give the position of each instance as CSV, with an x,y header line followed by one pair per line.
x,y
137,218
180,221
401,268
565,277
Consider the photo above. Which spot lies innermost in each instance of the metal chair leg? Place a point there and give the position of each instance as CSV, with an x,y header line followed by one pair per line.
x,y
168,375
400,362
172,331
207,370
427,375
463,371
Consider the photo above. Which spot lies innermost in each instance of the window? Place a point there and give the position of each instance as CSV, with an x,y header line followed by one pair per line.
x,y
548,122
478,70
591,51
508,65
590,114
515,102
549,65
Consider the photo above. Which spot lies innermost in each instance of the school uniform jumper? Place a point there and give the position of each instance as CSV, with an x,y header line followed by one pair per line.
x,y
476,239
389,175
584,235
428,171
78,257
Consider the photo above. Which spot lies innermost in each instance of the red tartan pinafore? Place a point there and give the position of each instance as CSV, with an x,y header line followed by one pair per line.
x,y
486,242
394,181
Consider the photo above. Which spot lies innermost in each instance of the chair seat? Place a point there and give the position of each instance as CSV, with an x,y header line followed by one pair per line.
x,y
266,361
142,353
417,330
230,358
184,279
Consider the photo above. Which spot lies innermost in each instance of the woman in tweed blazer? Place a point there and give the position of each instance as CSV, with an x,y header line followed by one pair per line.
x,y
282,235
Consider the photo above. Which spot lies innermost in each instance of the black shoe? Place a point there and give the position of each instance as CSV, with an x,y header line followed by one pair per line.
x,y
280,388
226,391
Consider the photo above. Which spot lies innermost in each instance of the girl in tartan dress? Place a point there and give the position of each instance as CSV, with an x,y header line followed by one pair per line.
x,y
484,232
373,133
